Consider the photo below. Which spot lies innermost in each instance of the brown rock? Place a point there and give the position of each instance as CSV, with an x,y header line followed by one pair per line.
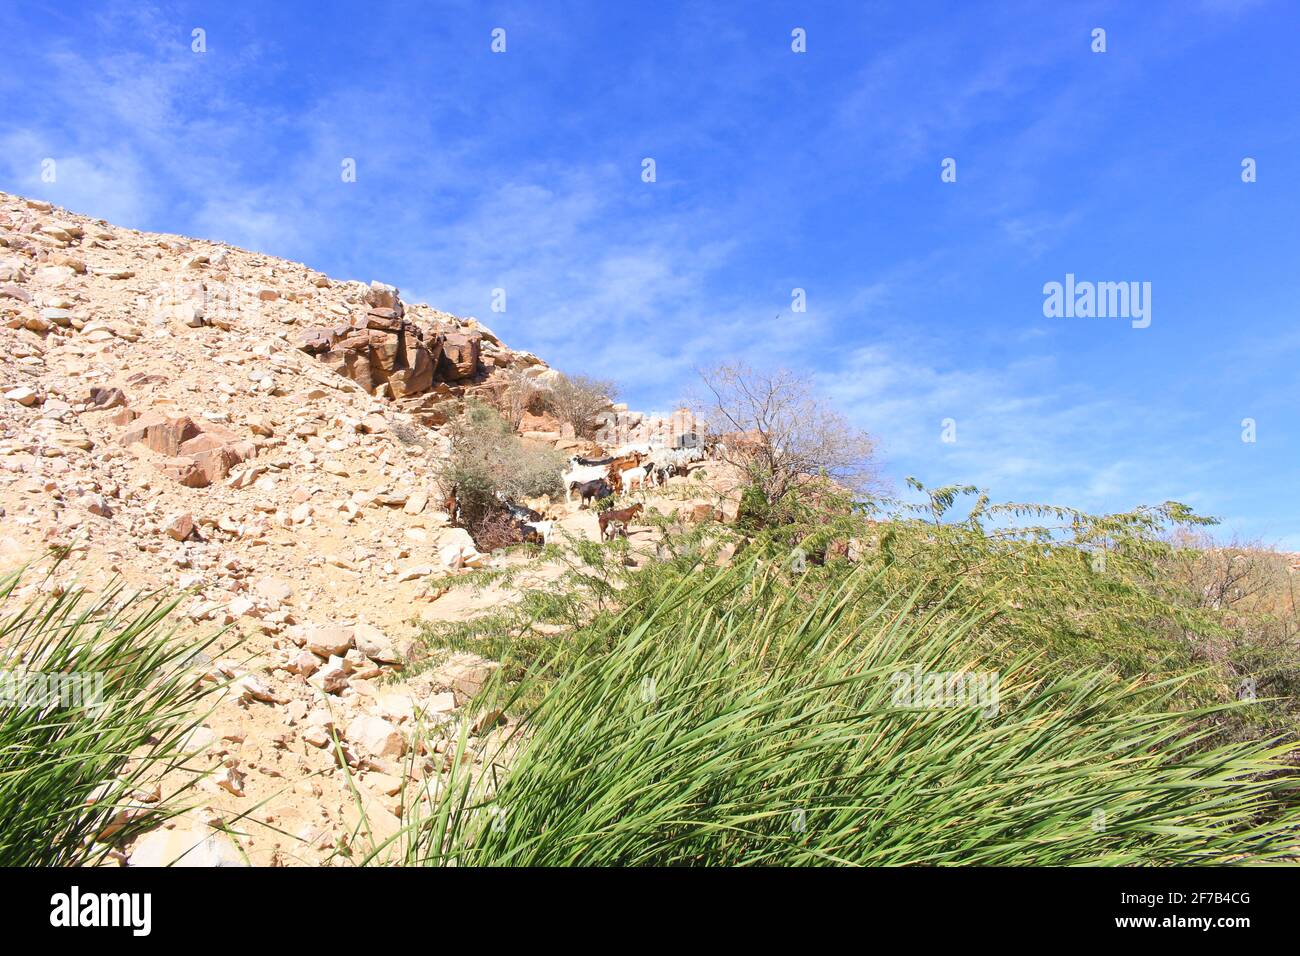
x,y
315,341
160,433
460,355
179,526
105,398
186,471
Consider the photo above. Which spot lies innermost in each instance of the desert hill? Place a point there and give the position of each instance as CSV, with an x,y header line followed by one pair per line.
x,y
182,415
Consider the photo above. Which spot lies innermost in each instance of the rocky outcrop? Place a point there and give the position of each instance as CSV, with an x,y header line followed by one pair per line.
x,y
460,355
380,351
196,455
390,356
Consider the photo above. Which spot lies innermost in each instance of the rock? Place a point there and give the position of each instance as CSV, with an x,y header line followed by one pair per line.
x,y
397,706
384,783
467,678
160,433
96,505
106,398
22,395
230,780
304,662
195,845
329,640
185,471
273,589
487,720
374,643
212,450
59,317
179,526
442,703
414,573
317,736
241,607
460,355
376,736
701,513
415,503
197,740
250,688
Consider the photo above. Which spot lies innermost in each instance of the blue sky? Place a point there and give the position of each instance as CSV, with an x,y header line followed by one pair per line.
x,y
775,170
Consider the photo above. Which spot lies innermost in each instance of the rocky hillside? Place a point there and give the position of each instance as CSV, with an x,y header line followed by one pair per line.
x,y
190,414
181,414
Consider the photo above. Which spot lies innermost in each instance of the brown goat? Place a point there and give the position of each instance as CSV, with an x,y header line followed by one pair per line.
x,y
621,517
618,466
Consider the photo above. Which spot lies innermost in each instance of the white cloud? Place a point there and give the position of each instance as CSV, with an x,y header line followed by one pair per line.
x,y
1016,436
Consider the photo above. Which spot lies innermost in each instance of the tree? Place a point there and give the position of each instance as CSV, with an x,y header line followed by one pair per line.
x,y
519,393
577,400
773,428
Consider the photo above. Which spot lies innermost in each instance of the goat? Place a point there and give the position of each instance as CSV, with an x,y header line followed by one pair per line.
x,y
452,507
518,512
582,476
591,489
640,448
619,518
634,477
619,466
542,529
663,472
577,460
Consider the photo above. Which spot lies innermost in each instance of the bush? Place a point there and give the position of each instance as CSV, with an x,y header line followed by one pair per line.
x,y
519,394
577,400
487,457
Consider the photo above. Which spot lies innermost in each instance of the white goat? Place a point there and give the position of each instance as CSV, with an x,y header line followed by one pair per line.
x,y
543,528
634,476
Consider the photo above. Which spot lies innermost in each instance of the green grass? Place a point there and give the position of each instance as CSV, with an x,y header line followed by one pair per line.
x,y
733,717
57,758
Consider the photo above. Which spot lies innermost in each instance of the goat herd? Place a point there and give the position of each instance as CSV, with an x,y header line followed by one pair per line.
x,y
630,468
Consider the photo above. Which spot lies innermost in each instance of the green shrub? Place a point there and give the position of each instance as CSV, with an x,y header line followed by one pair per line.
x,y
487,457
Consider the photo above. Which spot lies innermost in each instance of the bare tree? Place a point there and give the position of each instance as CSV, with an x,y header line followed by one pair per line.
x,y
519,392
773,427
578,401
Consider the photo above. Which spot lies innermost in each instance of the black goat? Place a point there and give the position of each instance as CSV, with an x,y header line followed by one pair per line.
x,y
597,488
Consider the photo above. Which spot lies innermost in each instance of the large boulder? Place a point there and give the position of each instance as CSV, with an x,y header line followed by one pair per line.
x,y
161,433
